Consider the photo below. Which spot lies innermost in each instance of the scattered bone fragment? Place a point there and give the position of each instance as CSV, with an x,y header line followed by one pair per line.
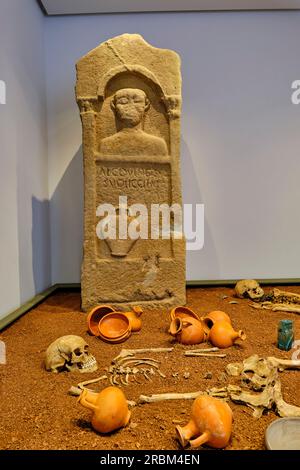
x,y
279,300
223,377
131,352
75,391
284,363
196,354
204,350
161,374
234,369
168,396
285,410
83,385
217,392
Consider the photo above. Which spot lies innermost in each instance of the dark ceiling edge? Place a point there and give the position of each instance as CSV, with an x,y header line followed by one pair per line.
x,y
52,15
42,7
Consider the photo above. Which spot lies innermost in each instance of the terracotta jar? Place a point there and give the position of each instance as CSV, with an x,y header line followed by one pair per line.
x,y
95,315
134,318
110,409
187,330
182,312
223,335
114,327
211,318
210,424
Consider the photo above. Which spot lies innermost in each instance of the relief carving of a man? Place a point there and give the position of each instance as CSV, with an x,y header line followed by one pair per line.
x,y
130,106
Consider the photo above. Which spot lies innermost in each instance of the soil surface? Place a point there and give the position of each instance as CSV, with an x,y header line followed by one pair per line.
x,y
38,413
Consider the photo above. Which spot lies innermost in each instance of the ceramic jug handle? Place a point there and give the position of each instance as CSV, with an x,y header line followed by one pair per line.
x,y
82,400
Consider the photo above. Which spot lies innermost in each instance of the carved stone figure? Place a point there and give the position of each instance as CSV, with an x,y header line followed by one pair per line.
x,y
129,96
130,106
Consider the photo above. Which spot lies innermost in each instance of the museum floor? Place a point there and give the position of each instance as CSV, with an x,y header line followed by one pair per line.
x,y
38,413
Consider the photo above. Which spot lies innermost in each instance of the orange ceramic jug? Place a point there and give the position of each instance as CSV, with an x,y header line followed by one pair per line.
x,y
182,312
211,318
134,318
210,423
223,335
110,409
187,330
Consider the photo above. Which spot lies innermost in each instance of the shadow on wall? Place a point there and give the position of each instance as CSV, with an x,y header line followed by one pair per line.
x,y
66,210
40,234
191,195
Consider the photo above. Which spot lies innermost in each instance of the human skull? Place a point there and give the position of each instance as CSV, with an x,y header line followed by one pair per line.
x,y
255,372
249,288
70,353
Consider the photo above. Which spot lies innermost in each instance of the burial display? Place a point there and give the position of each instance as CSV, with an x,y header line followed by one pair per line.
x,y
129,95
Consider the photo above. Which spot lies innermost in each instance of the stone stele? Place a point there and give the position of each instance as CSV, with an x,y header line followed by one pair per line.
x,y
129,95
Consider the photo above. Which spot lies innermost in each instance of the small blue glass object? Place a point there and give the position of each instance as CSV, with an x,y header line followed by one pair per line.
x,y
285,335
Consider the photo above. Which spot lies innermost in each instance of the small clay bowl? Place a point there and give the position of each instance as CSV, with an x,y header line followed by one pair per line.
x,y
181,312
95,315
283,434
114,327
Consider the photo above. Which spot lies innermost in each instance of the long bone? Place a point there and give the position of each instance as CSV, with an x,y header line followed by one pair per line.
x,y
219,392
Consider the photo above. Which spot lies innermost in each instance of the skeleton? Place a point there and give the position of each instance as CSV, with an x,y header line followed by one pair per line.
x,y
249,288
127,366
258,375
124,367
279,300
70,353
261,375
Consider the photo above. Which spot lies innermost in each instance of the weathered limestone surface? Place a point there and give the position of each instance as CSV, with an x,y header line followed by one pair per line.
x,y
129,95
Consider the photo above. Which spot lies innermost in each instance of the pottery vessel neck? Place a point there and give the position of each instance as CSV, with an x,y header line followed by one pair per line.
x,y
88,399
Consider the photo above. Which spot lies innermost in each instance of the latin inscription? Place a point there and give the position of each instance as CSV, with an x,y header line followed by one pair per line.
x,y
148,179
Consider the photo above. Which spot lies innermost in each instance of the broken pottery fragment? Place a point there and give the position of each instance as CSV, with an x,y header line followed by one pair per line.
x,y
182,312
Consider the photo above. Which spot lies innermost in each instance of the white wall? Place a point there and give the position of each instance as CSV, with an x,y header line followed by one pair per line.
x,y
240,135
24,206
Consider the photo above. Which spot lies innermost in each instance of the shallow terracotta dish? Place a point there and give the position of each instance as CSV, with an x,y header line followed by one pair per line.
x,y
114,327
283,434
95,315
